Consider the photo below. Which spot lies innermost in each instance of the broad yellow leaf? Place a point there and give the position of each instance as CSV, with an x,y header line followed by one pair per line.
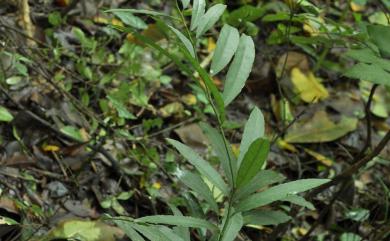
x,y
308,86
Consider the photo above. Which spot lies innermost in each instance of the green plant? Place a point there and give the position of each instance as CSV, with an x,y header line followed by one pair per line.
x,y
243,175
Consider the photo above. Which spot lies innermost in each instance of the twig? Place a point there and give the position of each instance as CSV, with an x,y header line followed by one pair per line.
x,y
367,145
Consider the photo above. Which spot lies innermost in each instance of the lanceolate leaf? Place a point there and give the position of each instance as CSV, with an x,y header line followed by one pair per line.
x,y
195,182
240,69
298,200
129,231
198,10
187,43
209,19
131,20
223,152
169,233
262,179
226,47
253,161
254,129
150,232
278,192
233,227
265,217
183,221
201,165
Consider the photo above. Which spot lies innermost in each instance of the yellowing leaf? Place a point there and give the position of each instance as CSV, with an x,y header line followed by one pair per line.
x,y
171,109
189,99
211,45
156,185
356,7
319,157
308,86
320,128
50,148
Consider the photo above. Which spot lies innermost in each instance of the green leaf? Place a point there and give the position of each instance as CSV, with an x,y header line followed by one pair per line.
x,y
187,43
72,132
201,165
223,152
198,10
254,129
129,231
245,13
183,232
262,179
278,192
121,108
185,3
380,35
233,227
253,161
5,115
183,221
150,232
369,57
369,72
226,47
196,183
265,217
209,19
129,19
240,69
350,237
298,200
170,234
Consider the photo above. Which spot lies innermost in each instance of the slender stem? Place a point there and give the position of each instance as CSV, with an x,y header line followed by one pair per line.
x,y
367,145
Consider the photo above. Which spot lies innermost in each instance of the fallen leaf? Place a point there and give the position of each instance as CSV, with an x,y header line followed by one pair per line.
x,y
189,99
320,129
85,230
308,86
50,148
294,59
171,109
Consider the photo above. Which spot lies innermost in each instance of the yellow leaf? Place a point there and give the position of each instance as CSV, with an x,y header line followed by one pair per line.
x,y
189,99
50,148
156,185
308,86
319,157
357,7
211,45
